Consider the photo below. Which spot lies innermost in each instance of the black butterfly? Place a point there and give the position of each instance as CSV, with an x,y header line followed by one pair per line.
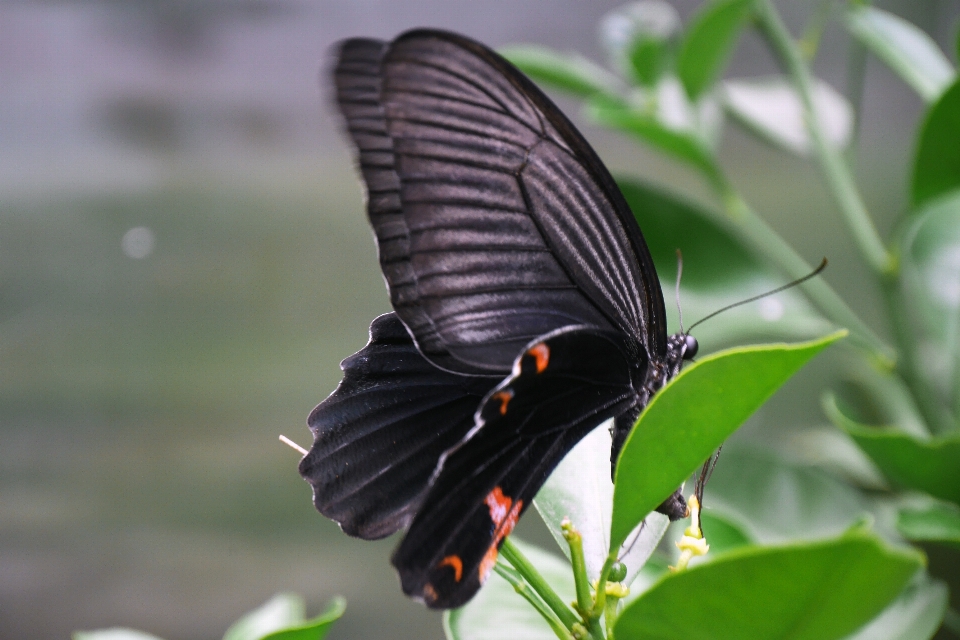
x,y
527,310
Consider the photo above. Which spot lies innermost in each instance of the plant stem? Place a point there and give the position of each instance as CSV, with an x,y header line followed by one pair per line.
x,y
601,598
579,563
520,586
838,176
512,554
742,220
937,417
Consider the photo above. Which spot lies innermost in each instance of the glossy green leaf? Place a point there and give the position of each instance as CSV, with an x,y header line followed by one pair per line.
x,y
929,465
568,72
709,41
497,611
721,532
813,591
930,257
681,144
718,270
936,165
835,452
935,522
771,108
914,615
774,501
116,633
280,612
314,629
692,416
639,38
580,489
904,47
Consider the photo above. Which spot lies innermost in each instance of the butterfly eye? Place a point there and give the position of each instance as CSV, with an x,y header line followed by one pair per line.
x,y
690,347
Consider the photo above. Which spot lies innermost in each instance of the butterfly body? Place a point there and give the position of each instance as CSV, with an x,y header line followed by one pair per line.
x,y
526,310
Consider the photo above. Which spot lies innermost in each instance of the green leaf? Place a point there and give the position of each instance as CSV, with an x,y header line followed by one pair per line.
x,y
709,41
692,416
771,108
813,591
116,633
684,145
915,615
281,611
930,277
775,501
498,610
936,166
718,270
580,488
903,47
834,451
722,533
569,72
935,522
929,465
639,38
315,628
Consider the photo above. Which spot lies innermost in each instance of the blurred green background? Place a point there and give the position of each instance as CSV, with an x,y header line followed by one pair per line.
x,y
184,260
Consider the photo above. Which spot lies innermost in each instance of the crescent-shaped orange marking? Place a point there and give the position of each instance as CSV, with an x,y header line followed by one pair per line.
x,y
541,352
456,563
504,398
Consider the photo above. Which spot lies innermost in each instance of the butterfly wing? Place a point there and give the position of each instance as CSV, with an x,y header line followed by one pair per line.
x,y
378,437
495,220
562,386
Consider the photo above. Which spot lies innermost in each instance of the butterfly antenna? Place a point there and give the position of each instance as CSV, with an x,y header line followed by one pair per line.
x,y
679,273
705,472
293,445
812,274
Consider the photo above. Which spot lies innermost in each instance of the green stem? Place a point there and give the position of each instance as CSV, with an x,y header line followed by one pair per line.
x,y
512,554
856,75
610,615
579,563
585,602
743,221
520,586
936,416
601,600
838,176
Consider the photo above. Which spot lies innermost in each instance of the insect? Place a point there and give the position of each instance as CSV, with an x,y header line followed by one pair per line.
x,y
527,310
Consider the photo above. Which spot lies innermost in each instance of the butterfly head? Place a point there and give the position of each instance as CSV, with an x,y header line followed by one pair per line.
x,y
688,347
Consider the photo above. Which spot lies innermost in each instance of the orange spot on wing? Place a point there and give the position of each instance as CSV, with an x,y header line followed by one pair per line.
x,y
429,593
456,563
504,513
542,354
504,398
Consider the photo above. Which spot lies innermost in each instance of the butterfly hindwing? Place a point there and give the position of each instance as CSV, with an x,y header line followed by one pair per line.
x,y
495,221
562,386
378,437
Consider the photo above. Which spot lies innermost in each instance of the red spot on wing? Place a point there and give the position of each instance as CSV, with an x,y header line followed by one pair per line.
x,y
456,563
504,513
541,352
504,398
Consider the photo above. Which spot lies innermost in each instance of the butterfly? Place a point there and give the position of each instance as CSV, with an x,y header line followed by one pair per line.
x,y
527,310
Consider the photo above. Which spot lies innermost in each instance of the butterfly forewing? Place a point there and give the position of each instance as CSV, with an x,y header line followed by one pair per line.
x,y
495,221
563,385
